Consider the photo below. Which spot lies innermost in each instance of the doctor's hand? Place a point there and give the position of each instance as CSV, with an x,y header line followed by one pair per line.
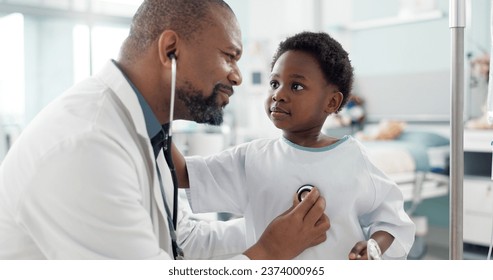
x,y
302,226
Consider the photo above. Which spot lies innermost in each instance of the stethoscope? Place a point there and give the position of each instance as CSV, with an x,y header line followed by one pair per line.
x,y
177,252
170,134
303,191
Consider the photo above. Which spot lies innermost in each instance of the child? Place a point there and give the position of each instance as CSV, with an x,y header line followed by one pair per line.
x,y
311,78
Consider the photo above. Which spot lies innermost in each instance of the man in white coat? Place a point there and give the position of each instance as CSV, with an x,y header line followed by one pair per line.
x,y
83,181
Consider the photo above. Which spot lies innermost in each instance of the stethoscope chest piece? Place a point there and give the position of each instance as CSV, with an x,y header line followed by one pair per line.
x,y
303,191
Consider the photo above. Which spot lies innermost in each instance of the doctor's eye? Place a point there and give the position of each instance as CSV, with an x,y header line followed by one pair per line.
x,y
274,84
231,57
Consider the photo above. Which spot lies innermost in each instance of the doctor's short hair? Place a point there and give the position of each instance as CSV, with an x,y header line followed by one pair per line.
x,y
186,17
332,58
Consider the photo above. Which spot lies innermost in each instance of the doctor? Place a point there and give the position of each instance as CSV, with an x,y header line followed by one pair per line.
x,y
83,181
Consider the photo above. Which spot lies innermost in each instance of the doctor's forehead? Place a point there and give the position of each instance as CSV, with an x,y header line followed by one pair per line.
x,y
226,29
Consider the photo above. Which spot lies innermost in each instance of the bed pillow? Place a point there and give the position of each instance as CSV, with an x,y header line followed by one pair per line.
x,y
425,138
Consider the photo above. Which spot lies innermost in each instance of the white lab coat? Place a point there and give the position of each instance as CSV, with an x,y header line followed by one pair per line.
x,y
81,183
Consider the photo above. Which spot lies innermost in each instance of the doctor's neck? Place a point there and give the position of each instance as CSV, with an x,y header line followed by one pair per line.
x,y
145,76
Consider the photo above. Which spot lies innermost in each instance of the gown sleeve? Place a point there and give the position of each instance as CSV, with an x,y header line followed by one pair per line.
x,y
388,214
201,239
218,182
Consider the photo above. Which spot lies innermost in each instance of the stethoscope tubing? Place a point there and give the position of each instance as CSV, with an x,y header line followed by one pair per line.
x,y
170,134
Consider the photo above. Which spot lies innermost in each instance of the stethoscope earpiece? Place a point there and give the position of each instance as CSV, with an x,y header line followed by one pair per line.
x,y
303,191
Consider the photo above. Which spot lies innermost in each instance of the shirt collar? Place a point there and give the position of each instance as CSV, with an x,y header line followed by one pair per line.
x,y
152,124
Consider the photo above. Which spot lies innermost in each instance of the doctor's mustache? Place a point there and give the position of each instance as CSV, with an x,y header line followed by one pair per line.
x,y
203,109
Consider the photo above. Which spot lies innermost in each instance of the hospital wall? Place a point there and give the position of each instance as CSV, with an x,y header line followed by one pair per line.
x,y
54,41
408,65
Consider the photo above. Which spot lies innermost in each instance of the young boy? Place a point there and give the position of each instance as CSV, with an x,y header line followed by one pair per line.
x,y
311,78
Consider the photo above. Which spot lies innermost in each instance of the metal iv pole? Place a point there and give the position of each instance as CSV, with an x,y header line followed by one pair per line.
x,y
457,20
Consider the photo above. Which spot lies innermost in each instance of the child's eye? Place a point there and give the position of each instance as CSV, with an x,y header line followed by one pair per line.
x,y
274,84
297,87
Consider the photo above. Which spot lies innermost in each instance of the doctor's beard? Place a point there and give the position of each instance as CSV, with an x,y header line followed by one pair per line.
x,y
201,109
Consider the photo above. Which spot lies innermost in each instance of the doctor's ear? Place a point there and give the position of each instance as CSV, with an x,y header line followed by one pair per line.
x,y
168,46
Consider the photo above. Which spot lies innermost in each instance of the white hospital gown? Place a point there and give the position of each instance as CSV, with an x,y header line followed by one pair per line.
x,y
258,180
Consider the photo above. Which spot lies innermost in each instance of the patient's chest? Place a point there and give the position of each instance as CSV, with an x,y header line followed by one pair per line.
x,y
274,182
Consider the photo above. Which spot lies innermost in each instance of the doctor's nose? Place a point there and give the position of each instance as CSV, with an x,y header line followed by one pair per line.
x,y
235,76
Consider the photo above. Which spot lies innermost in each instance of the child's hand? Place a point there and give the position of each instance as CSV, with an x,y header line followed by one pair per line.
x,y
381,241
359,251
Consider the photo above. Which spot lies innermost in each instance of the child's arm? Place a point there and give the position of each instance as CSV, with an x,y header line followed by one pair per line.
x,y
359,251
180,166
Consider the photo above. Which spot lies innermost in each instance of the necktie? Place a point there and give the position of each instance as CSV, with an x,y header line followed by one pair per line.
x,y
158,143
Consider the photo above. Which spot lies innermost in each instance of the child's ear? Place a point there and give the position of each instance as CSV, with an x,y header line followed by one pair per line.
x,y
334,102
